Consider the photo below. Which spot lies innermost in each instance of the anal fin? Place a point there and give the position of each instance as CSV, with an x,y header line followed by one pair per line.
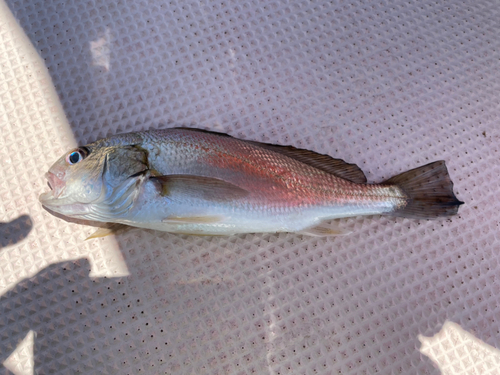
x,y
322,231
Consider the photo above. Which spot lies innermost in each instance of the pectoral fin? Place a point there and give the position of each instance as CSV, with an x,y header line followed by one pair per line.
x,y
206,188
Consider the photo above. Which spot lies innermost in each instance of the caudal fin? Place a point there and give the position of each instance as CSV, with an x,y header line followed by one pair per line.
x,y
429,190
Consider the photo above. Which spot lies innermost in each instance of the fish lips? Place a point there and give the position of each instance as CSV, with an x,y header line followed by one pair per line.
x,y
57,187
56,184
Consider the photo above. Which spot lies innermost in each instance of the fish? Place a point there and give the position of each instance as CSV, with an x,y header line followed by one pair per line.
x,y
194,181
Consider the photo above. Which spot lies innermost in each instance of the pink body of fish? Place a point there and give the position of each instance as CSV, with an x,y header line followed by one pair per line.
x,y
197,182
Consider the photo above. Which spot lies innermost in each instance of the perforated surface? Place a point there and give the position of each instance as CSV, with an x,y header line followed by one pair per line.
x,y
388,86
459,352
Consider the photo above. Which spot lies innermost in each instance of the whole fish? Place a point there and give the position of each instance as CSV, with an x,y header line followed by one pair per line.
x,y
199,182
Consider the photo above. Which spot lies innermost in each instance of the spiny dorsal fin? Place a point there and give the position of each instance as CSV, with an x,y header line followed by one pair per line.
x,y
326,163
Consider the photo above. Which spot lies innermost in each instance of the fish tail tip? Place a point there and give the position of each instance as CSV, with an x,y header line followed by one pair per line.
x,y
429,192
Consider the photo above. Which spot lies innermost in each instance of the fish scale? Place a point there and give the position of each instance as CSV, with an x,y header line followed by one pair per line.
x,y
231,161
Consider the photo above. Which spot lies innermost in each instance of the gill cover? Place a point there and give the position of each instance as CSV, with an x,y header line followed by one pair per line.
x,y
96,182
124,169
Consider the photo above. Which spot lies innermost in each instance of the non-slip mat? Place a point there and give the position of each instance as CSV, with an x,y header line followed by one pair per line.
x,y
388,86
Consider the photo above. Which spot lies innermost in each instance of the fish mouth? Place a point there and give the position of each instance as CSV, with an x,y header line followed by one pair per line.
x,y
56,186
63,206
55,183
57,202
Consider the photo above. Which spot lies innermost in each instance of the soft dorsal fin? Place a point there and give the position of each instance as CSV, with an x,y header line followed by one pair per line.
x,y
326,163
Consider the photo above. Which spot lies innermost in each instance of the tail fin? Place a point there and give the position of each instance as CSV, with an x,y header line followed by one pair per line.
x,y
429,190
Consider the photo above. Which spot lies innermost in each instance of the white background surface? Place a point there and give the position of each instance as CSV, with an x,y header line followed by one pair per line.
x,y
388,86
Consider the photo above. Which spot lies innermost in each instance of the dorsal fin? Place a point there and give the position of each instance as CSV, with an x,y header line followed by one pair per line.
x,y
326,163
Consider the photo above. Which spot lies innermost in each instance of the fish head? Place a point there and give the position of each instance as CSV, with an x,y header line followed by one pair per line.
x,y
90,179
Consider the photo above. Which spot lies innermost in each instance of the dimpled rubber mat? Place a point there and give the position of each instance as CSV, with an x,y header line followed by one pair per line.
x,y
386,85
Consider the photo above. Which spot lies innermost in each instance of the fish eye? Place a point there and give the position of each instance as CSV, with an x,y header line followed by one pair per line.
x,y
74,157
77,155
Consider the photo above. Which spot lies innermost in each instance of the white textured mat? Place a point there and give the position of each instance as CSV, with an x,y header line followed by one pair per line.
x,y
388,86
